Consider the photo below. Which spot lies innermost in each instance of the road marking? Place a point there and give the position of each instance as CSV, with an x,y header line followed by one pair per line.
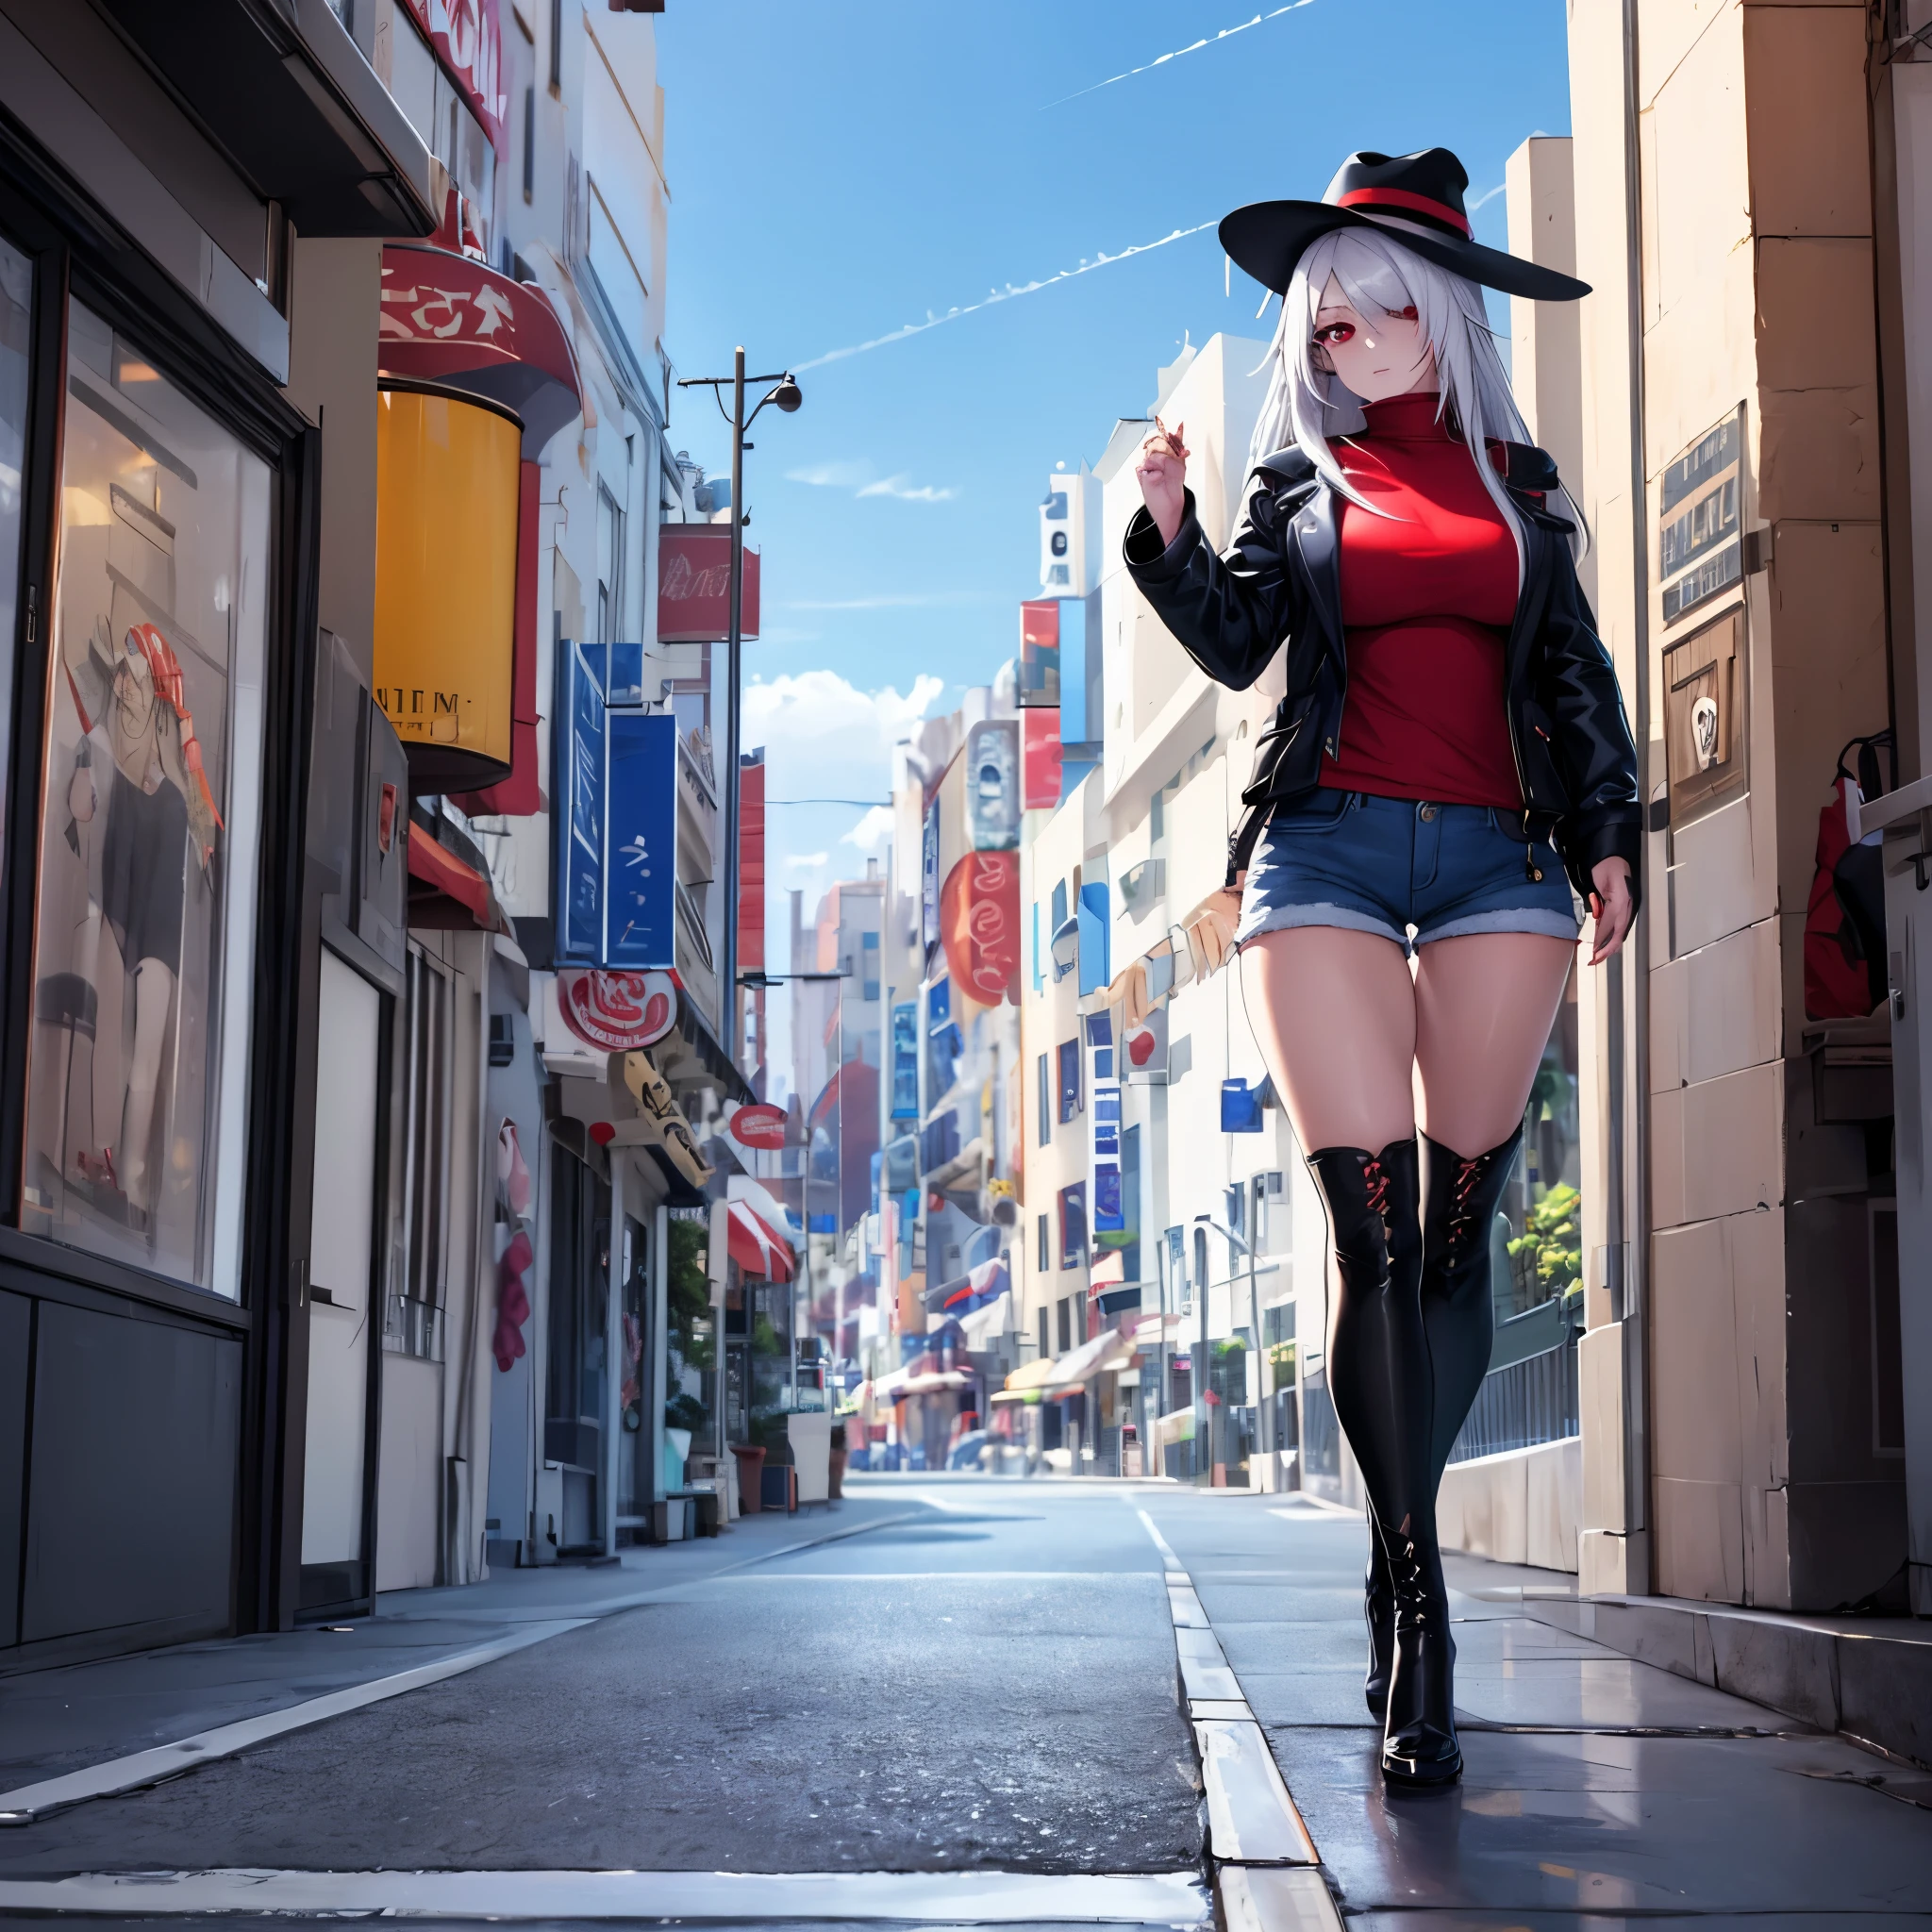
x,y
28,1802
986,1898
1160,1542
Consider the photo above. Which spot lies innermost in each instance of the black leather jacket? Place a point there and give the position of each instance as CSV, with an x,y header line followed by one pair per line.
x,y
1280,584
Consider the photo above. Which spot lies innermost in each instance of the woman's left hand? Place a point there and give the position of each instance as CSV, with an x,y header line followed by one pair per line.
x,y
1611,906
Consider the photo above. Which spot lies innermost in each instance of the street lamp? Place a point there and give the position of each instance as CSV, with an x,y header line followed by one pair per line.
x,y
787,394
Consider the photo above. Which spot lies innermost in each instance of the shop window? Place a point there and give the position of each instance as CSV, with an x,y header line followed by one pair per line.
x,y
138,1075
609,567
16,310
418,1290
575,1344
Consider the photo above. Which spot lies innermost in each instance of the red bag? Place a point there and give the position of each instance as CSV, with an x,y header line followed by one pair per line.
x,y
1844,917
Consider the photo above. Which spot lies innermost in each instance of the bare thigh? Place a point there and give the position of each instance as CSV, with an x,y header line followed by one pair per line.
x,y
1335,1014
1484,1007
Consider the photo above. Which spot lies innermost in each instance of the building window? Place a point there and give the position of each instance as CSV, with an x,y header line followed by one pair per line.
x,y
555,45
1070,1079
1066,1324
1043,1244
16,331
1044,1099
417,1289
137,1071
1130,1204
1045,1339
609,567
1074,1224
529,142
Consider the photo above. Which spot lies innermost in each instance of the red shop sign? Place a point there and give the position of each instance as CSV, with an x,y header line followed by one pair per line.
x,y
979,925
694,585
761,1125
468,39
618,1012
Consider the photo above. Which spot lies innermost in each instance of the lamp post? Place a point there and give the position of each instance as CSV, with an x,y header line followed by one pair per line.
x,y
786,393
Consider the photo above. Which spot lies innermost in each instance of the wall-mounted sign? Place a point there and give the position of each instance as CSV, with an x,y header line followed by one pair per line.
x,y
1104,1097
447,477
1700,545
979,922
615,774
1704,720
617,1013
992,785
762,1126
468,39
1146,1048
1040,759
694,585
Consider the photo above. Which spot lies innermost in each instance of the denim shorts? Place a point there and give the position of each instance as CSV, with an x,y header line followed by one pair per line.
x,y
1390,866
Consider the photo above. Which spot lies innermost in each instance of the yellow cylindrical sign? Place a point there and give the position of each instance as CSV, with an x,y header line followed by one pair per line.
x,y
447,471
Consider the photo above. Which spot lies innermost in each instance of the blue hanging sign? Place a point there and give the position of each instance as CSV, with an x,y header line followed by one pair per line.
x,y
641,866
577,765
615,888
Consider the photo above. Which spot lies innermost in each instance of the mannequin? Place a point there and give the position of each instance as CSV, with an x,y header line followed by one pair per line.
x,y
133,697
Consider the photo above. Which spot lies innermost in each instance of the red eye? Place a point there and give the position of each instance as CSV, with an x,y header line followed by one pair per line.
x,y
1335,332
1408,313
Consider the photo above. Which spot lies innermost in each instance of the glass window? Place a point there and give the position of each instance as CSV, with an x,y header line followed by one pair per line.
x,y
137,1081
417,1289
16,321
609,567
1535,1247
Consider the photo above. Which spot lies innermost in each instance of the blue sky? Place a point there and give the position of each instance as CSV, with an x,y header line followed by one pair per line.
x,y
839,172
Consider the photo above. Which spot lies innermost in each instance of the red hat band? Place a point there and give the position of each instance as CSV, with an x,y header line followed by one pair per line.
x,y
1400,201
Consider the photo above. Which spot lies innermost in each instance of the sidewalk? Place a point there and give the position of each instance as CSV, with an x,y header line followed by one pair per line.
x,y
1594,1782
57,1722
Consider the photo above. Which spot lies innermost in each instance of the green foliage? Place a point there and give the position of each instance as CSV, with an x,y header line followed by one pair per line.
x,y
1281,1360
765,1340
685,1412
1553,1240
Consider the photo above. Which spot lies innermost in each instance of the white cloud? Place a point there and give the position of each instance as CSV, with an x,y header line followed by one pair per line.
x,y
805,861
870,832
830,475
901,487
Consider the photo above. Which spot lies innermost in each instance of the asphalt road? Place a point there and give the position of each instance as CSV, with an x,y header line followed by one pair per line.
x,y
990,1685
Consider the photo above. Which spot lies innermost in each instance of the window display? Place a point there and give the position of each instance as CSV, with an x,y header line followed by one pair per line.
x,y
137,1084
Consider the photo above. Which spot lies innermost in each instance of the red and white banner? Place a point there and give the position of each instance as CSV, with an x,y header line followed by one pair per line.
x,y
617,1013
468,39
694,585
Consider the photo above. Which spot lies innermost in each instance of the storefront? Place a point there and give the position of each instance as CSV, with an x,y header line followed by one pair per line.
x,y
163,545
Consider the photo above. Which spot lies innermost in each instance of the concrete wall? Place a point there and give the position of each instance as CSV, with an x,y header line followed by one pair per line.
x,y
1523,1505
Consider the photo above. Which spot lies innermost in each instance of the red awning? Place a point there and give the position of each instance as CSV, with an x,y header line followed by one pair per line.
x,y
445,892
756,1246
447,319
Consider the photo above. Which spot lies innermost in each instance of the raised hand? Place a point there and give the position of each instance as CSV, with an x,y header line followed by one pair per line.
x,y
1163,475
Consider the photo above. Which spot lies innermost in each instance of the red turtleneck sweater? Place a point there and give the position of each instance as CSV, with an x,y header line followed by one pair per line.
x,y
1428,591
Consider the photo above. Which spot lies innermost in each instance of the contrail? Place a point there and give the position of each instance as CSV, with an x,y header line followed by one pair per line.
x,y
1005,294
1227,33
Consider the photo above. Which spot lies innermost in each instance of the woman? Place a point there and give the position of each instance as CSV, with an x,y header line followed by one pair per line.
x,y
1450,712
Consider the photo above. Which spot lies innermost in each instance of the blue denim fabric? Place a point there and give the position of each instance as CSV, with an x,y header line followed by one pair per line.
x,y
1387,865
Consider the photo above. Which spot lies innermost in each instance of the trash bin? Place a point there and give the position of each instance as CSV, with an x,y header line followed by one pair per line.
x,y
751,1462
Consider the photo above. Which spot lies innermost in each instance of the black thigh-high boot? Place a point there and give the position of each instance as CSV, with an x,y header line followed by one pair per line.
x,y
1380,1379
1459,1198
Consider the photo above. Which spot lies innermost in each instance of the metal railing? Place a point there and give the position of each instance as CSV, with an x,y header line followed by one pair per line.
x,y
1321,1432
1529,1402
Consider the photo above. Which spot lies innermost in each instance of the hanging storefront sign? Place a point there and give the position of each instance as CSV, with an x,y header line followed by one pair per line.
x,y
979,924
762,1126
617,1013
615,776
468,39
447,488
1040,654
1040,759
694,585
1146,1048
1104,1103
992,785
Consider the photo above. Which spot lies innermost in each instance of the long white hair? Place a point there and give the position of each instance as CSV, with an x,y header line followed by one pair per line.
x,y
1306,406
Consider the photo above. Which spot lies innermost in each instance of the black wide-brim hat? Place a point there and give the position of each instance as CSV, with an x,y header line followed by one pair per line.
x,y
1415,199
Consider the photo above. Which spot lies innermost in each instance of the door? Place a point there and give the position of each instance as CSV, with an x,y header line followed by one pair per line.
x,y
341,1249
